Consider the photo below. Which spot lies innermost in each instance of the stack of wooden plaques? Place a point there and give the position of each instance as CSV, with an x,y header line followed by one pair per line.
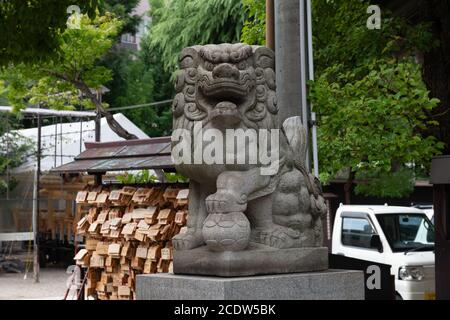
x,y
128,231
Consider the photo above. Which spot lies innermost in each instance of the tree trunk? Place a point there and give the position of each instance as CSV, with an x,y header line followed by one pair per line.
x,y
116,127
113,124
83,87
348,186
436,67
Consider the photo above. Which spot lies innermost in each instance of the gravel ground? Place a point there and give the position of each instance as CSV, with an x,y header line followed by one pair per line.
x,y
52,285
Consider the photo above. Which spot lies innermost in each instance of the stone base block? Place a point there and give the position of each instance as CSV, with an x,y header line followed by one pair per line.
x,y
256,261
324,285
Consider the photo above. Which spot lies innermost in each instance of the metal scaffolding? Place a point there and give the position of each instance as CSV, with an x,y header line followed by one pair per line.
x,y
38,114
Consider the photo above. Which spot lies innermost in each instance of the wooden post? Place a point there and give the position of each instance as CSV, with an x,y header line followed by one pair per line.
x,y
51,217
98,179
36,204
98,118
440,178
270,31
35,223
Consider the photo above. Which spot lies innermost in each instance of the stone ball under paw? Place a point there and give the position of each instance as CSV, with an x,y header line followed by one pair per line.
x,y
226,231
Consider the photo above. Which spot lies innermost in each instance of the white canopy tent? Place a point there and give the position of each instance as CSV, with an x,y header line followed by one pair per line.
x,y
61,143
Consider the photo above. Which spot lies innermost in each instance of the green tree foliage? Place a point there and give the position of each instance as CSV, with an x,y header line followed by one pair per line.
x,y
141,177
139,78
14,149
123,10
56,83
371,102
178,24
123,61
254,30
147,76
144,177
156,120
394,184
372,123
71,76
29,29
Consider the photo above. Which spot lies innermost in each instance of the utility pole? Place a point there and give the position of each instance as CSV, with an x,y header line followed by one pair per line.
x,y
311,77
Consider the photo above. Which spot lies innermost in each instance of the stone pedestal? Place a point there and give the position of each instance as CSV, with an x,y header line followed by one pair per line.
x,y
258,260
324,285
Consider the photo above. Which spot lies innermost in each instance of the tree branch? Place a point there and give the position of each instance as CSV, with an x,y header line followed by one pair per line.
x,y
84,88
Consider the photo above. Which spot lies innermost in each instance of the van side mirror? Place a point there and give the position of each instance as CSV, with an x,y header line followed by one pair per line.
x,y
375,243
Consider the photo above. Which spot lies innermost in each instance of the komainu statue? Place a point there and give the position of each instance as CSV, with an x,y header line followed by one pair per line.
x,y
247,215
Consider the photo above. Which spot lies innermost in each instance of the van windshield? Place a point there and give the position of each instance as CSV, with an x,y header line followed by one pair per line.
x,y
406,232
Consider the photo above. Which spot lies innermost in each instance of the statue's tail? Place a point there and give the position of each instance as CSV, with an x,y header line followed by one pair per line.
x,y
295,133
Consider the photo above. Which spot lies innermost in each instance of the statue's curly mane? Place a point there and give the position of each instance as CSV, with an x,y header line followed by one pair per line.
x,y
198,64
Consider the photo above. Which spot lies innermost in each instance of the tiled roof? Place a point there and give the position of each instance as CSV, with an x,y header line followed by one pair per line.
x,y
153,153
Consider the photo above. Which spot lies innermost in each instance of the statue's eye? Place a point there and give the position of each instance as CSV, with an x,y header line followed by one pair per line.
x,y
209,66
242,65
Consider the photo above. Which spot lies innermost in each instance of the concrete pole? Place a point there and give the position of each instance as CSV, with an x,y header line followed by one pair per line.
x,y
287,50
290,55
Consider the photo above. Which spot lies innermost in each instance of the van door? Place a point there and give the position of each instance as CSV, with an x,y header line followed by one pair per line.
x,y
357,237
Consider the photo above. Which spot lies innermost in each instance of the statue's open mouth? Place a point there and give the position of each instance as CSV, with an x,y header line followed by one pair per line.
x,y
225,98
225,88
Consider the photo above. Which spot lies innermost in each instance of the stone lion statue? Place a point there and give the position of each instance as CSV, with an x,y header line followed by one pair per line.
x,y
232,206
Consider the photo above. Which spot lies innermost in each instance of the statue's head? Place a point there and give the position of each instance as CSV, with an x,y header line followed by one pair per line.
x,y
226,84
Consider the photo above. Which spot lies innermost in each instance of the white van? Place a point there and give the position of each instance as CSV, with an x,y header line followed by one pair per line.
x,y
428,209
402,237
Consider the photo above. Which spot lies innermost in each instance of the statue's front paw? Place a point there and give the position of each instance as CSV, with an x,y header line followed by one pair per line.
x,y
224,201
188,240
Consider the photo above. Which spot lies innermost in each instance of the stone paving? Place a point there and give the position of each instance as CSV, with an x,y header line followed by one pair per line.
x,y
52,285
